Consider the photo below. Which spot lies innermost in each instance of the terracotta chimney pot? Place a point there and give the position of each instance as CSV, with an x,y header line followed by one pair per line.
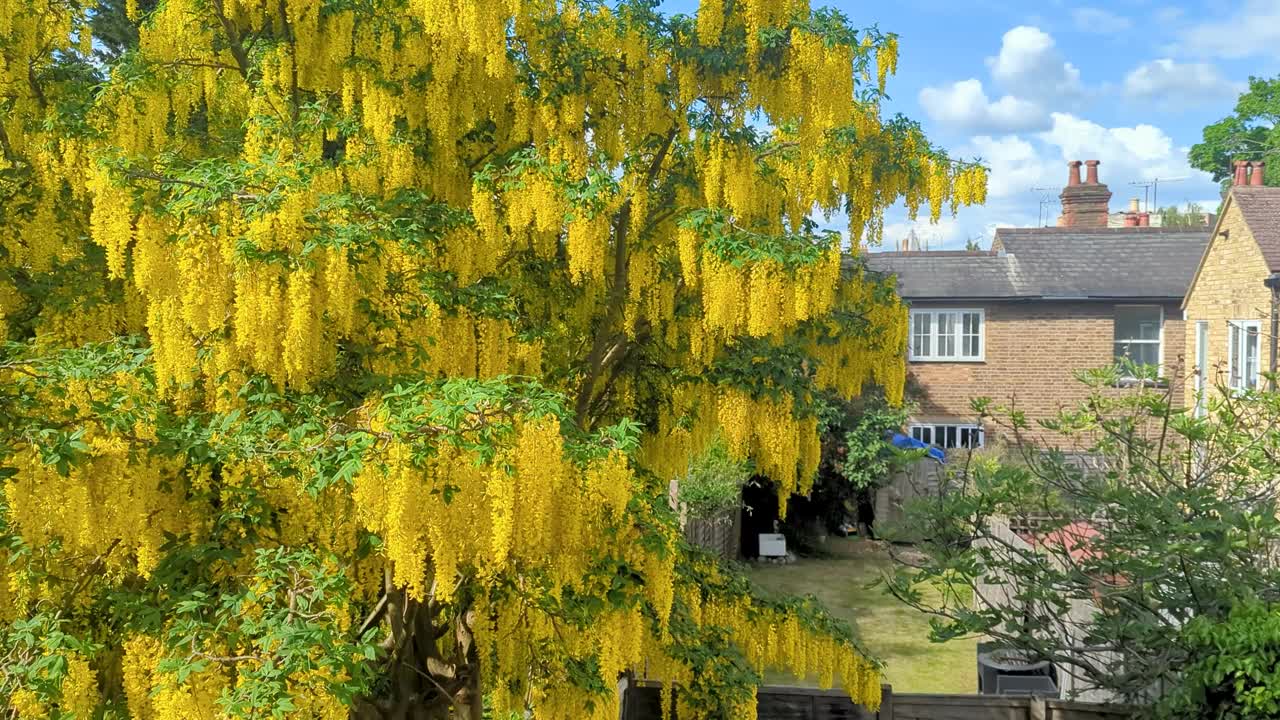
x,y
1256,178
1073,179
1092,179
1242,173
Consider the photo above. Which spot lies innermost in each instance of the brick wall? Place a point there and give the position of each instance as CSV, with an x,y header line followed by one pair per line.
x,y
1032,351
1229,287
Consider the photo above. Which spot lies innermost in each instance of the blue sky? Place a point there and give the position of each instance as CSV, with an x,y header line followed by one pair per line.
x,y
1027,85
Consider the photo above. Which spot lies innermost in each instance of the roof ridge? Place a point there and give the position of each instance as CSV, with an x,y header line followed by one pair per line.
x,y
935,253
1104,231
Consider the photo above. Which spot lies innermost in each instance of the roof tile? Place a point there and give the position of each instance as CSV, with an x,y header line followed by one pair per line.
x,y
1058,263
1261,209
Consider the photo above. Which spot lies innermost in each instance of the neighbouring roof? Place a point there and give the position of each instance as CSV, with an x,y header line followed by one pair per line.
x,y
1055,263
1076,538
1260,207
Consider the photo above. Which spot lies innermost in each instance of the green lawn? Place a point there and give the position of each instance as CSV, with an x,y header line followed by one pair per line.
x,y
895,633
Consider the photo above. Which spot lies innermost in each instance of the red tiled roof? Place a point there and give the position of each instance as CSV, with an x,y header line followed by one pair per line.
x,y
1075,538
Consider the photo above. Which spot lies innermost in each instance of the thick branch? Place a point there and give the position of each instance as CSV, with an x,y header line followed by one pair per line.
x,y
618,292
235,42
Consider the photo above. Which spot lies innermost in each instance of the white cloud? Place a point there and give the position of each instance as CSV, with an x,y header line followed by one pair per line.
x,y
1096,20
1015,165
1252,29
1030,66
964,105
1129,155
1177,85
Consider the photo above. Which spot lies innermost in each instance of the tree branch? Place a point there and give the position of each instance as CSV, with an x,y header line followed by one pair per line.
x,y
618,292
235,41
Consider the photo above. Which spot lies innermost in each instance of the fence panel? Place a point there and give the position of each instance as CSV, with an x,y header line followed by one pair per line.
x,y
1068,710
960,707
642,701
800,703
719,534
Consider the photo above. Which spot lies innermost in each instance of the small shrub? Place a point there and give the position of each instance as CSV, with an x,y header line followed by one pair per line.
x,y
1234,666
714,482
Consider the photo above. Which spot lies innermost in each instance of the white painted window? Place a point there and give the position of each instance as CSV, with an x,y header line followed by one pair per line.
x,y
949,436
1138,330
951,335
1243,353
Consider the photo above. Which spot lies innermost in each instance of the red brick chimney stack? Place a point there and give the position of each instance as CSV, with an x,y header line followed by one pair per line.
x,y
1241,177
1256,178
1144,219
1084,205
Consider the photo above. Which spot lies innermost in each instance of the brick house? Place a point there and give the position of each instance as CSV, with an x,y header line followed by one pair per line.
x,y
1228,308
1016,322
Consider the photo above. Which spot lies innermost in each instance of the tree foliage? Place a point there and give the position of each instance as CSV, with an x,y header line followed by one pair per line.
x,y
1116,554
714,482
1235,672
350,345
1252,132
1191,217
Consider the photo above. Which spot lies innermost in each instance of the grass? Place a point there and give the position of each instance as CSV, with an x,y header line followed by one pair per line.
x,y
895,633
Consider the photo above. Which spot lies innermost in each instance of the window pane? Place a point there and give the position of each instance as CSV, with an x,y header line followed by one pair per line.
x,y
921,334
951,441
1137,323
917,433
972,345
1251,358
946,334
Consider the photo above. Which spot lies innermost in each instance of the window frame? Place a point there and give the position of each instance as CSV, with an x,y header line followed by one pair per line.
x,y
934,427
1158,342
1244,326
933,338
1202,366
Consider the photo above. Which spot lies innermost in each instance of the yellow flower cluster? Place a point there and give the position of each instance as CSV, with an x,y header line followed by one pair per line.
x,y
780,641
154,695
847,364
78,696
763,298
785,448
458,344
116,503
456,515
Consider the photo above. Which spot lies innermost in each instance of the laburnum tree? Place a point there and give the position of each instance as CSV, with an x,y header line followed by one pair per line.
x,y
351,345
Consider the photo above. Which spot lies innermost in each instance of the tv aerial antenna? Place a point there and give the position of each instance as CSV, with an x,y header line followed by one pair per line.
x,y
1151,190
1047,198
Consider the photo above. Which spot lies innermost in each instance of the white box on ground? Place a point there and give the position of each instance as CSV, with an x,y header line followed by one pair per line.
x,y
773,545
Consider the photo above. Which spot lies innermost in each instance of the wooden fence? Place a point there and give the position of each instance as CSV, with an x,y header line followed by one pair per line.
x,y
642,701
720,534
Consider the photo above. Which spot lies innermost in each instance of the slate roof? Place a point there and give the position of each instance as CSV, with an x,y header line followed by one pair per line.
x,y
1056,263
1261,209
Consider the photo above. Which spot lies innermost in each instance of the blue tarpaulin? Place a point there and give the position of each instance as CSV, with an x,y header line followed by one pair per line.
x,y
906,442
